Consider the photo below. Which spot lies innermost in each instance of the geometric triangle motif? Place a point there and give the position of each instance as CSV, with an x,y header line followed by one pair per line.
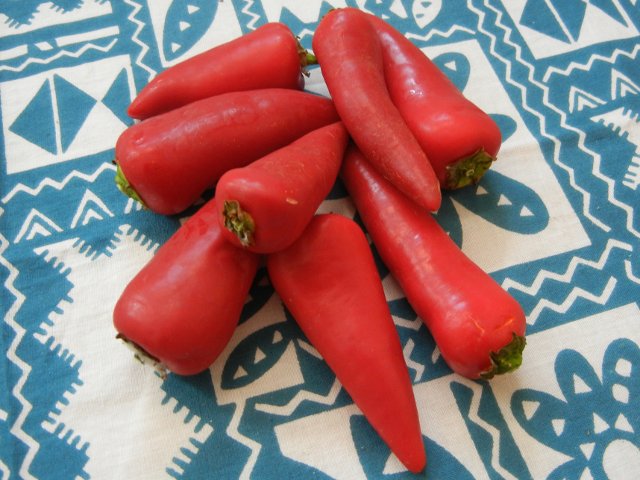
x,y
538,16
525,212
38,224
117,97
74,106
503,200
599,424
623,424
621,85
587,449
240,372
91,207
579,100
608,7
530,407
36,122
572,14
393,466
579,385
259,356
558,425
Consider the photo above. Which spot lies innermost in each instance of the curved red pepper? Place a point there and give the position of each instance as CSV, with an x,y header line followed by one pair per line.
x,y
477,325
183,306
167,161
266,205
460,140
268,57
350,57
329,282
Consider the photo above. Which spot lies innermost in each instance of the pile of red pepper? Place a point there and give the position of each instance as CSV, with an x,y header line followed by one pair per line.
x,y
395,130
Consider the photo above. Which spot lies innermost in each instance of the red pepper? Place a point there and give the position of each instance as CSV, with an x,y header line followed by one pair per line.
x,y
183,306
268,57
167,161
329,282
478,327
350,57
460,140
266,205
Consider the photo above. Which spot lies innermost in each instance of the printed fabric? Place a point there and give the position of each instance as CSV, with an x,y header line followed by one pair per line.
x,y
555,221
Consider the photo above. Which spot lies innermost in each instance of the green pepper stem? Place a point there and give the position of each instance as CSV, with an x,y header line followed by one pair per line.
x,y
239,222
306,58
125,187
309,58
468,170
507,359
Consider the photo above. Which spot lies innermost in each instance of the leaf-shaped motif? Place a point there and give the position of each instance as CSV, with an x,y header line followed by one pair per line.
x,y
505,202
592,419
543,417
589,410
576,377
186,22
254,356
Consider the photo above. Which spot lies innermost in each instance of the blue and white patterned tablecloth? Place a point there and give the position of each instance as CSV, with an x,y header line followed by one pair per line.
x,y
555,221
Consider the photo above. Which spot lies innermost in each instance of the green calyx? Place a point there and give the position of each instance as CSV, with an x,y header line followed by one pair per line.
x,y
507,359
125,187
468,170
306,58
239,222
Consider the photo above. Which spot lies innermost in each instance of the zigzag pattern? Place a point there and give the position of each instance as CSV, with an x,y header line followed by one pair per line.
x,y
567,275
62,53
585,67
523,90
432,33
575,294
304,33
136,37
628,268
24,368
474,416
58,185
412,364
247,11
255,447
303,395
596,171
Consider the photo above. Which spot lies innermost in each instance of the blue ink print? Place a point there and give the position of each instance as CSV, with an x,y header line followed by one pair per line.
x,y
597,424
185,24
